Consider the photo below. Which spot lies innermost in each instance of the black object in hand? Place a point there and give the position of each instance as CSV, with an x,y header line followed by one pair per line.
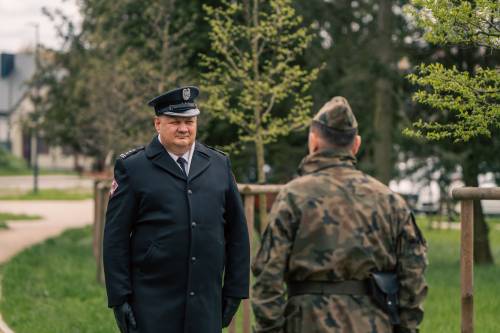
x,y
229,307
125,317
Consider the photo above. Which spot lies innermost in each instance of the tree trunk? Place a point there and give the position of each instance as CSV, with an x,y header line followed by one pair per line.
x,y
259,144
482,249
384,108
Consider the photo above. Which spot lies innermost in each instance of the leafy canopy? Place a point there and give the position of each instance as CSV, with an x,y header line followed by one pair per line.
x,y
253,68
473,96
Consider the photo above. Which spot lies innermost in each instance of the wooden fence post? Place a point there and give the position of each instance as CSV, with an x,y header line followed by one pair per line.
x,y
101,201
467,195
250,216
467,265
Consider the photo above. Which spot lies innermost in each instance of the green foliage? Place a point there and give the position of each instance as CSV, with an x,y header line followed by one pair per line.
x,y
459,22
10,163
126,53
472,96
473,99
254,68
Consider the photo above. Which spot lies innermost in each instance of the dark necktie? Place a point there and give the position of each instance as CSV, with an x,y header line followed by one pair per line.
x,y
182,162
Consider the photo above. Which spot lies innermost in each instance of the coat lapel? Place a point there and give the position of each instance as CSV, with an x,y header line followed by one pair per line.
x,y
159,156
200,162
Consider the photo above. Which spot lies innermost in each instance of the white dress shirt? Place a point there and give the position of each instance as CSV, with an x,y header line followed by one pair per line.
x,y
187,156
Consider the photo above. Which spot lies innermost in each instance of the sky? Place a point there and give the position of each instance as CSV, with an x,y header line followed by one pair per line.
x,y
16,23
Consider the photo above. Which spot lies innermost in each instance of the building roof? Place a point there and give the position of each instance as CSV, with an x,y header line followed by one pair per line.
x,y
13,88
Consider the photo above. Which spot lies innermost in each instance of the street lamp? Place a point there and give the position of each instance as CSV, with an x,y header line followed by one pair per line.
x,y
34,134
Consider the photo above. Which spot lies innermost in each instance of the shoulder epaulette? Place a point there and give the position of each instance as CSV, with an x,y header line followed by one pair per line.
x,y
131,152
217,150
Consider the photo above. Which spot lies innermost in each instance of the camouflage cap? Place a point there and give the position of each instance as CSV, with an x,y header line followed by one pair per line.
x,y
337,115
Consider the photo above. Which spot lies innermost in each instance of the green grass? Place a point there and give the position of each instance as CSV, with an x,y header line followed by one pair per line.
x,y
442,307
51,287
43,172
49,194
5,217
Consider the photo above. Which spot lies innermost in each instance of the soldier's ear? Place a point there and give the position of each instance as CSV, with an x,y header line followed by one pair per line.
x,y
356,145
313,142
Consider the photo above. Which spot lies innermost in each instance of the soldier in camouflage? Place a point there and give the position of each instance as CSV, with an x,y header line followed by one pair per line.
x,y
331,226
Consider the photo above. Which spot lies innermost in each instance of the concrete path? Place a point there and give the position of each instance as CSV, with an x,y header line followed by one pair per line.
x,y
25,183
57,216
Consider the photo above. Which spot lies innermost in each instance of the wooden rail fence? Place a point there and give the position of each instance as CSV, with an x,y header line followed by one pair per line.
x,y
248,192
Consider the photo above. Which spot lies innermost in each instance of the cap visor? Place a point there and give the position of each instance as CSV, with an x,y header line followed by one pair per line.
x,y
187,113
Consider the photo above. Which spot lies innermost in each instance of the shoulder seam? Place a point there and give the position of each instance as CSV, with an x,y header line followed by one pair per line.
x,y
216,150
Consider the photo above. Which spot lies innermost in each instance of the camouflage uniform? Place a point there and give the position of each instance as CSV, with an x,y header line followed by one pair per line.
x,y
335,223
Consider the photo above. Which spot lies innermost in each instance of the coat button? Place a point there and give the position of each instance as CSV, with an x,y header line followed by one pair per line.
x,y
191,293
193,224
190,192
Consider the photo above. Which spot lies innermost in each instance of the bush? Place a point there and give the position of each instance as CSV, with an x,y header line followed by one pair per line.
x,y
10,163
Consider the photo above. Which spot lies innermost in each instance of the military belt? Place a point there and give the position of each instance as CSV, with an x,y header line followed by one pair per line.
x,y
347,287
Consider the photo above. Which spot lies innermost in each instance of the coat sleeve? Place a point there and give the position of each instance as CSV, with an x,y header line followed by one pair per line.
x,y
270,266
237,266
412,262
120,215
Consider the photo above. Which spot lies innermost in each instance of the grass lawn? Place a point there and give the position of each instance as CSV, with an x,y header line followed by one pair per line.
x,y
51,288
442,308
4,217
43,172
50,194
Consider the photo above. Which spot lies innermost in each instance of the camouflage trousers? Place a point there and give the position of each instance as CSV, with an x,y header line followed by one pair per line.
x,y
334,314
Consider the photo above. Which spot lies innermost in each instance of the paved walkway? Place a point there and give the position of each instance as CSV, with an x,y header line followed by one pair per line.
x,y
25,183
57,216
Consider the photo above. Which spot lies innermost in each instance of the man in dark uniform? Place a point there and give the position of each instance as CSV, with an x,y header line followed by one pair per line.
x,y
176,248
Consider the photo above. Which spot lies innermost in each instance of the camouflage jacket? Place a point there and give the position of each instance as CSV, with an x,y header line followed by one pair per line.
x,y
335,223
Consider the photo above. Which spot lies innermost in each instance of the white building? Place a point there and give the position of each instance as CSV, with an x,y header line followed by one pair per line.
x,y
15,107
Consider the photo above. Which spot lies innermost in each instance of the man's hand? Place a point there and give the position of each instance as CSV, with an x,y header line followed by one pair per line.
x,y
125,317
229,307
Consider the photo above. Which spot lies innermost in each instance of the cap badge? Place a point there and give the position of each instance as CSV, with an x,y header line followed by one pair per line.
x,y
186,93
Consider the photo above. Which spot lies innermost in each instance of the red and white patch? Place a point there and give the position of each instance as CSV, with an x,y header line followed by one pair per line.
x,y
114,186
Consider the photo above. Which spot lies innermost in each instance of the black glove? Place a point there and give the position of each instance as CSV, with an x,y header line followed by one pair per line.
x,y
124,317
400,329
229,307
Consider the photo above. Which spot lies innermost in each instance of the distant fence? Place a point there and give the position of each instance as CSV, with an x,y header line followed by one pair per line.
x,y
249,193
467,195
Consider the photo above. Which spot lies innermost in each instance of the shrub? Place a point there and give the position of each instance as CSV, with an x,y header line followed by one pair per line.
x,y
10,163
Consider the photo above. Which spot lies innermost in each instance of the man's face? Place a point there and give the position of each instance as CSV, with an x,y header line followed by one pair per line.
x,y
177,133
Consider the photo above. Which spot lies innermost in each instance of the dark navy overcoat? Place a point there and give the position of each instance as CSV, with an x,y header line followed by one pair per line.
x,y
173,246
